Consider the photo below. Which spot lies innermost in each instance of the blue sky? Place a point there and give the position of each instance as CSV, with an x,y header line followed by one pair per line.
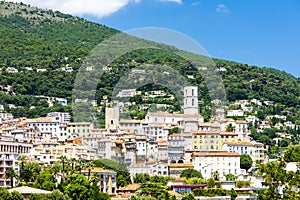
x,y
256,32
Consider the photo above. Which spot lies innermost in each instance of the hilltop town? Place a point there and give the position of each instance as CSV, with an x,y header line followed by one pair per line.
x,y
161,144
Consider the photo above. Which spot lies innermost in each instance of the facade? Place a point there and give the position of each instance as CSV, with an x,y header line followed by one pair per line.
x,y
235,113
176,148
222,162
49,152
211,141
254,149
49,125
107,179
81,129
131,125
62,116
168,118
9,153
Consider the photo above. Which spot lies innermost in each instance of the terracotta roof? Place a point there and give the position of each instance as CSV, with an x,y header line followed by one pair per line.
x,y
181,165
215,154
130,187
240,122
28,190
40,120
239,143
98,169
229,133
162,114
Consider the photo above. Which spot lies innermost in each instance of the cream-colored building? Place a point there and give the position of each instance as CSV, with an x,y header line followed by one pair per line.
x,y
254,149
49,152
81,129
9,153
223,162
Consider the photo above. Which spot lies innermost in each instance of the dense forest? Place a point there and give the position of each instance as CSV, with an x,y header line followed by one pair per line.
x,y
38,44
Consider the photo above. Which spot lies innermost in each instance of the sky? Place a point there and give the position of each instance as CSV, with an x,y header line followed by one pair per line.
x,y
255,32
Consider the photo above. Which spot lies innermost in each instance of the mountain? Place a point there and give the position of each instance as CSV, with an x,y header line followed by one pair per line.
x,y
37,43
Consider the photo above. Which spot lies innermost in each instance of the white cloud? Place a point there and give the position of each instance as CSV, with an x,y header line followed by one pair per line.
x,y
175,1
196,3
98,8
221,8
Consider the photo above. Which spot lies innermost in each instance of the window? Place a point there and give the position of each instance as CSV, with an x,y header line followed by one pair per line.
x,y
192,92
111,122
193,102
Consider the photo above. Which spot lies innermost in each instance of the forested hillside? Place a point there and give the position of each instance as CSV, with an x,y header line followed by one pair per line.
x,y
39,43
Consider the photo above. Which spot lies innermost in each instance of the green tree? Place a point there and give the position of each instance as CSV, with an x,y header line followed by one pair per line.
x,y
292,154
190,173
11,174
156,190
56,195
30,171
230,128
188,196
230,177
141,178
211,183
16,196
195,180
45,181
78,187
245,162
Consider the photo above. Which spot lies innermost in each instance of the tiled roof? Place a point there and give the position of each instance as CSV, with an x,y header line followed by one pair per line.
x,y
28,190
215,154
162,114
98,169
130,187
239,143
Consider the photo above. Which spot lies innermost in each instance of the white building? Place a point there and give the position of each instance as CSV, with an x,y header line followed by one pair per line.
x,y
223,162
49,125
251,119
62,116
127,93
6,116
235,113
254,149
167,118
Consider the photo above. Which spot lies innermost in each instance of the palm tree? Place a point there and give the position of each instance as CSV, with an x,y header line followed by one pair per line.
x,y
80,165
230,128
63,161
94,178
21,161
89,166
216,176
11,174
73,161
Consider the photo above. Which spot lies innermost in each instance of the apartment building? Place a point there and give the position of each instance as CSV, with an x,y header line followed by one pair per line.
x,y
176,148
49,152
254,149
209,140
9,153
107,179
81,129
223,162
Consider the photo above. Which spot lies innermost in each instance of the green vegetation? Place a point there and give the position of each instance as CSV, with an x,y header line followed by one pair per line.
x,y
292,154
35,39
277,179
246,162
190,173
